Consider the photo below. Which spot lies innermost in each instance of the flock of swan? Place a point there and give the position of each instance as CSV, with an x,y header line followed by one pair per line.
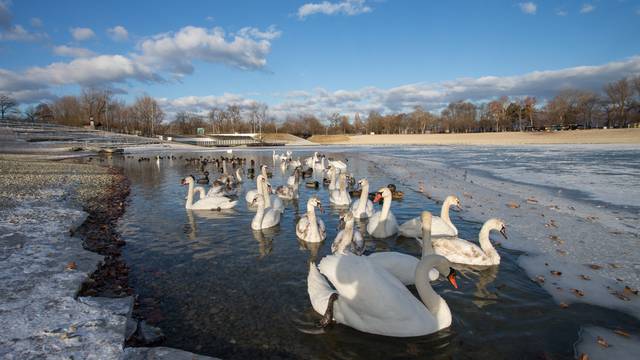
x,y
367,292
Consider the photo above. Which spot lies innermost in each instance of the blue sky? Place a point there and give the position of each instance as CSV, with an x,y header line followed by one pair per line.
x,y
315,56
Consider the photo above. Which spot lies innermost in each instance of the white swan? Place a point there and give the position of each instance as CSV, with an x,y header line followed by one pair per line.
x,y
264,219
340,196
370,299
207,203
311,161
383,224
348,239
363,207
290,191
252,193
309,228
403,266
441,226
338,164
461,251
332,173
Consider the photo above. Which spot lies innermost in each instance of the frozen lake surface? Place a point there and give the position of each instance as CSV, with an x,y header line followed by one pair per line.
x,y
215,287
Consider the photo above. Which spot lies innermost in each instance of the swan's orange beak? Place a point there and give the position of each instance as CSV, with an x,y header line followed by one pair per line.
x,y
377,198
452,278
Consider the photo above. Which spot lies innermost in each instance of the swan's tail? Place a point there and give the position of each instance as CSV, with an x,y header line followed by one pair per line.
x,y
319,289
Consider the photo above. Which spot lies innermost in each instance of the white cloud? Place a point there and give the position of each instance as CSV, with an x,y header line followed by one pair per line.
x,y
118,33
562,13
36,22
82,34
587,8
528,8
19,33
75,52
432,96
245,50
9,32
346,7
173,52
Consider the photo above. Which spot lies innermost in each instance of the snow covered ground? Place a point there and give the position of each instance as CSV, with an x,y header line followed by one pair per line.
x,y
572,210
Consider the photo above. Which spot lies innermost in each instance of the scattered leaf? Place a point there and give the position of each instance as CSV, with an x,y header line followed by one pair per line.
x,y
555,273
564,305
513,205
602,342
620,296
583,356
621,333
577,292
531,200
630,291
585,277
72,265
614,265
595,267
539,279
561,252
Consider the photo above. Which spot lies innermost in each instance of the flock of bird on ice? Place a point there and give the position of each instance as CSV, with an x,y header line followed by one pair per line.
x,y
366,292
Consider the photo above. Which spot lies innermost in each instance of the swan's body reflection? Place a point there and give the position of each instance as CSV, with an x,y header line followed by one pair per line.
x,y
264,238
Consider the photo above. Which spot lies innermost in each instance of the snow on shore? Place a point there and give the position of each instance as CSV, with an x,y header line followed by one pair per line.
x,y
592,249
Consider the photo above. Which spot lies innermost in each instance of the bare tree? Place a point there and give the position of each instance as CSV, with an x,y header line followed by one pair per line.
x,y
619,94
31,114
7,105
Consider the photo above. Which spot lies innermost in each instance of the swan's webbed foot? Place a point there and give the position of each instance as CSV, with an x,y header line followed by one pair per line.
x,y
327,319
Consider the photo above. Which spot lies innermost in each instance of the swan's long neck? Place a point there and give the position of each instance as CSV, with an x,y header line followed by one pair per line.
x,y
427,246
238,175
386,207
313,222
444,212
364,198
264,172
266,195
434,303
224,167
189,196
347,236
256,223
485,242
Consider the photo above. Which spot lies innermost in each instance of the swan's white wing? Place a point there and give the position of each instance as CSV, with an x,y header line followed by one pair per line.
x,y
271,218
460,251
374,301
301,226
251,194
319,289
212,203
382,230
402,266
440,228
411,228
373,222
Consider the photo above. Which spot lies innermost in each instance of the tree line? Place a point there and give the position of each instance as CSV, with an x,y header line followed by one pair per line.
x,y
618,105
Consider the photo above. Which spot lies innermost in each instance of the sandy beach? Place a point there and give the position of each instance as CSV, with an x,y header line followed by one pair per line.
x,y
598,136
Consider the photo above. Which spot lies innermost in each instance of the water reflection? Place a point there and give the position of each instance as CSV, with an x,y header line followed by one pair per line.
x,y
221,289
